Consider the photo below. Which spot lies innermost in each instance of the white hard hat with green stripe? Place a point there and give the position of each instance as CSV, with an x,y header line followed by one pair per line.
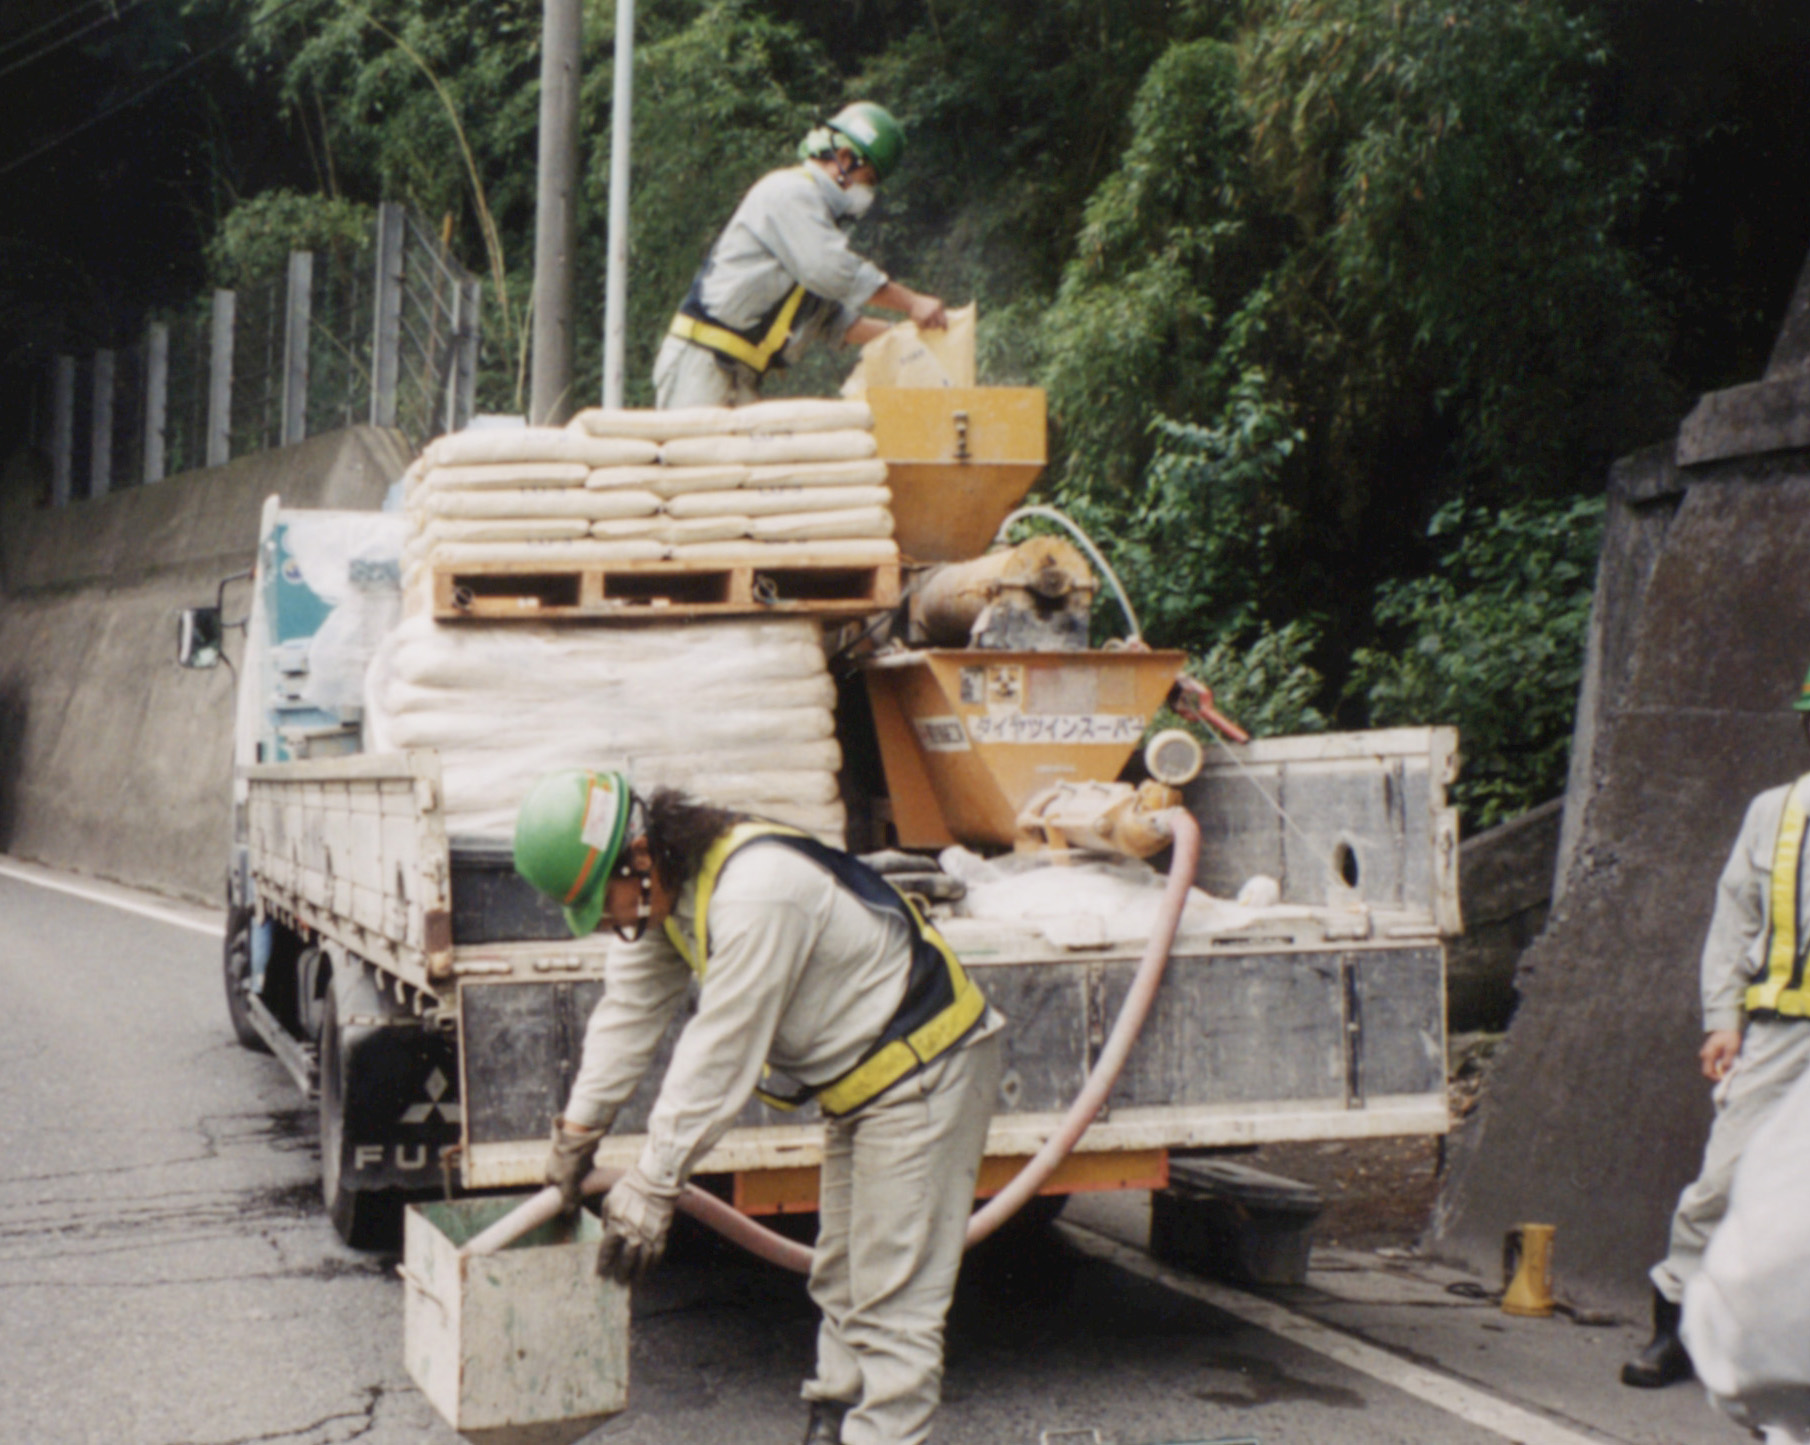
x,y
869,130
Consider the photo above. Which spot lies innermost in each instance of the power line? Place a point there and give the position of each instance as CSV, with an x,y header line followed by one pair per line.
x,y
50,24
136,96
114,11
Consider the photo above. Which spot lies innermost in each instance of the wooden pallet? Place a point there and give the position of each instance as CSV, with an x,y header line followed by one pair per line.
x,y
655,591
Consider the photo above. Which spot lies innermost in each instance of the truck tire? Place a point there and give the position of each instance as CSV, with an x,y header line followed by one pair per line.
x,y
363,1218
236,956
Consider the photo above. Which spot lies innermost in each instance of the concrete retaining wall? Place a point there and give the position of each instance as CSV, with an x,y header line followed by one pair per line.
x,y
1505,888
114,761
1594,1115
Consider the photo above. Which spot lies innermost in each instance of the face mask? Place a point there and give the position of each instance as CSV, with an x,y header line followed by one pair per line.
x,y
859,198
644,910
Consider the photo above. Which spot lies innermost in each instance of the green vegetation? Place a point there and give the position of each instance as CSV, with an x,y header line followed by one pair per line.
x,y
1493,641
1342,305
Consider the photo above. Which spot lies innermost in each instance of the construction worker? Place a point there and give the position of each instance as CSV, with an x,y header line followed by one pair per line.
x,y
811,966
782,274
1756,1017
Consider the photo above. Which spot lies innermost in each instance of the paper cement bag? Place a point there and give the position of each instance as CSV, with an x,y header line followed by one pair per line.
x,y
906,356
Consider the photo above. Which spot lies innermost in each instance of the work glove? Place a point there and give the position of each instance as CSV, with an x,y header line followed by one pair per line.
x,y
636,1216
569,1160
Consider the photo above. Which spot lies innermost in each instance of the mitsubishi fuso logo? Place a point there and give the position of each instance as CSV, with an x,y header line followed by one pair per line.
x,y
436,1087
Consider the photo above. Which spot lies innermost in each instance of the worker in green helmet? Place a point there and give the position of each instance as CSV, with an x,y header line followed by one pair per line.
x,y
1756,1044
809,968
783,275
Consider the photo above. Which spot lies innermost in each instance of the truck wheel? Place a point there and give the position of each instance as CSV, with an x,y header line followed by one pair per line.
x,y
363,1218
237,958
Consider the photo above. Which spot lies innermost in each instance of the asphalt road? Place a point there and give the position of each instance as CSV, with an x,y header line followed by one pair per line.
x,y
167,1276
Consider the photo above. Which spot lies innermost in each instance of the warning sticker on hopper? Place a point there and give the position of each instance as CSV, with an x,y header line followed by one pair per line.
x,y
1050,727
941,734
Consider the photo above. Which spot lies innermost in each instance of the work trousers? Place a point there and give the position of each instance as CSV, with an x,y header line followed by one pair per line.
x,y
1774,1053
897,1190
686,374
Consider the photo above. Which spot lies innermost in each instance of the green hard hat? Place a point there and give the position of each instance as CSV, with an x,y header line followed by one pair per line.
x,y
867,129
1803,696
568,836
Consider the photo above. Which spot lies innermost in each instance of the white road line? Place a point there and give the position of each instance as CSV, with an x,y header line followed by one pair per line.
x,y
1441,1391
113,899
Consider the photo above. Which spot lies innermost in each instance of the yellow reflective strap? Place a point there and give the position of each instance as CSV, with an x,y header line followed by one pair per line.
x,y
696,950
1774,992
758,355
886,1065
868,1080
929,1040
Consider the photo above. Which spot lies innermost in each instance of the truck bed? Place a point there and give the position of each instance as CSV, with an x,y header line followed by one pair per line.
x,y
1321,1022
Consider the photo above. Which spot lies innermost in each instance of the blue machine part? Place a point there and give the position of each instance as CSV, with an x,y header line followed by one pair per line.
x,y
263,935
294,612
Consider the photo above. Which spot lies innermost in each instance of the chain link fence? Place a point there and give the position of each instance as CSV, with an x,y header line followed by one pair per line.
x,y
384,332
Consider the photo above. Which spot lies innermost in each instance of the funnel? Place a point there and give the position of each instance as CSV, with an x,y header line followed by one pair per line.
x,y
967,737
958,460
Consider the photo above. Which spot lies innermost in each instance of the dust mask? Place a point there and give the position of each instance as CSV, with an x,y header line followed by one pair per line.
x,y
860,197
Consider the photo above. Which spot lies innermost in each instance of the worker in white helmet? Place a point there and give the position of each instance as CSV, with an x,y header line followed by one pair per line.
x,y
783,275
810,965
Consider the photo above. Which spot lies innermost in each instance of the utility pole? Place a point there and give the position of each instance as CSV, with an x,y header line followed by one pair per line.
x,y
556,213
615,295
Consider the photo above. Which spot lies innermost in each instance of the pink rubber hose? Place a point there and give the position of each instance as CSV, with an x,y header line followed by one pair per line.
x,y
737,1227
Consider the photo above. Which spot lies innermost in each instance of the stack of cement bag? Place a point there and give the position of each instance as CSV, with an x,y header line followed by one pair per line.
x,y
761,483
737,713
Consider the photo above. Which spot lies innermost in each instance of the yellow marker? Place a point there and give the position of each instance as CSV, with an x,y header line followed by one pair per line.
x,y
1527,1270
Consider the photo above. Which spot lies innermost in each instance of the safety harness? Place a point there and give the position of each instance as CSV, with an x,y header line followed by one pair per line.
x,y
941,1004
1781,993
758,346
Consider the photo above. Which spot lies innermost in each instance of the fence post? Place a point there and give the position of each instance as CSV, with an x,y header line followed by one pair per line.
x,y
220,382
100,433
157,397
471,325
297,316
386,343
62,430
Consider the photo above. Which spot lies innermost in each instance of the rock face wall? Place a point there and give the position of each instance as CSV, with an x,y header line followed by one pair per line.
x,y
114,761
1594,1116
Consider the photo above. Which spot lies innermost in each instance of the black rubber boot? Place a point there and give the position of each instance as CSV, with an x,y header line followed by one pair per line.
x,y
825,1425
1664,1361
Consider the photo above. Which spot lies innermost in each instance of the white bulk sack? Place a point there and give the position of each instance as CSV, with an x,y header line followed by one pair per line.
x,y
672,482
764,450
825,526
607,479
506,529
508,475
869,473
528,444
772,500
739,713
802,414
592,506
656,426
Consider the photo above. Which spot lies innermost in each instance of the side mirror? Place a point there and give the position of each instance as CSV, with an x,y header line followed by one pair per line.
x,y
199,637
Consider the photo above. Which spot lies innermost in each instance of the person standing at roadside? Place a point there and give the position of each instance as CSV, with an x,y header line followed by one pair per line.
x,y
1756,1019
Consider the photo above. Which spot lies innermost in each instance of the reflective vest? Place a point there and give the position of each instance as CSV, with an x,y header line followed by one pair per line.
x,y
941,1004
1781,992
